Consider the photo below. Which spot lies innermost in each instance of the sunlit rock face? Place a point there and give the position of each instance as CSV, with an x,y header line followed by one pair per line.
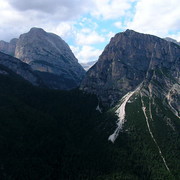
x,y
49,56
133,58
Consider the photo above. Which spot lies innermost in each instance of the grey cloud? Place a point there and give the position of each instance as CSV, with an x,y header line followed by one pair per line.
x,y
68,8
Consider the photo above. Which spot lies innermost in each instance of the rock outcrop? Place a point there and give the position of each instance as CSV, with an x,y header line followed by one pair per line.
x,y
18,67
8,47
131,59
49,56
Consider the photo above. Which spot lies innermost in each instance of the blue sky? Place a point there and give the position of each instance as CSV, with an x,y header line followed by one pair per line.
x,y
87,26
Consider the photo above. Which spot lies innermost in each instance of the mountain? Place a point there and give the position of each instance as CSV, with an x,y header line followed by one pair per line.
x,y
131,59
137,75
172,40
8,48
54,134
45,131
8,62
88,65
49,56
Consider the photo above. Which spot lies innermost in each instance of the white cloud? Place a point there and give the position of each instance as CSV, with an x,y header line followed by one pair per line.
x,y
118,24
14,22
111,9
91,37
86,53
110,35
63,29
85,30
88,23
10,21
18,16
175,36
158,17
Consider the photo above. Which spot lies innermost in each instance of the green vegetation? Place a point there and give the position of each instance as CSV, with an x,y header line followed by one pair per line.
x,y
49,134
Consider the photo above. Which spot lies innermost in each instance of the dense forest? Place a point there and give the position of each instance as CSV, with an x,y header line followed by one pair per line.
x,y
52,134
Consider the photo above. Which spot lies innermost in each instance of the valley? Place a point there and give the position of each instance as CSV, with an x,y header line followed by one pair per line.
x,y
119,120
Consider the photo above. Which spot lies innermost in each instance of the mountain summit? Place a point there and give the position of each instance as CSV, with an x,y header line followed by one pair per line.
x,y
138,76
50,57
132,58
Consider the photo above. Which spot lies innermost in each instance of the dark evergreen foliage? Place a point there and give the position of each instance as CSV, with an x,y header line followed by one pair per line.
x,y
49,134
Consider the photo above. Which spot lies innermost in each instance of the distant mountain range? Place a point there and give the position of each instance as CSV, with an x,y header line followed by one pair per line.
x,y
88,65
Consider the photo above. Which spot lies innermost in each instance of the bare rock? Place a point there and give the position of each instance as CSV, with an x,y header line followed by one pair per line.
x,y
133,58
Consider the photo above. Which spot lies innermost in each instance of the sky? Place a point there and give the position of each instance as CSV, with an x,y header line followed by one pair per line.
x,y
87,26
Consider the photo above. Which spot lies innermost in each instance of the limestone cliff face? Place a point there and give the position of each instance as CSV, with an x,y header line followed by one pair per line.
x,y
131,59
51,57
8,47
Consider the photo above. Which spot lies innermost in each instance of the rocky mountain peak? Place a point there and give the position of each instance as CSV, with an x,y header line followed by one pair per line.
x,y
49,56
129,31
42,42
132,58
34,33
37,30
